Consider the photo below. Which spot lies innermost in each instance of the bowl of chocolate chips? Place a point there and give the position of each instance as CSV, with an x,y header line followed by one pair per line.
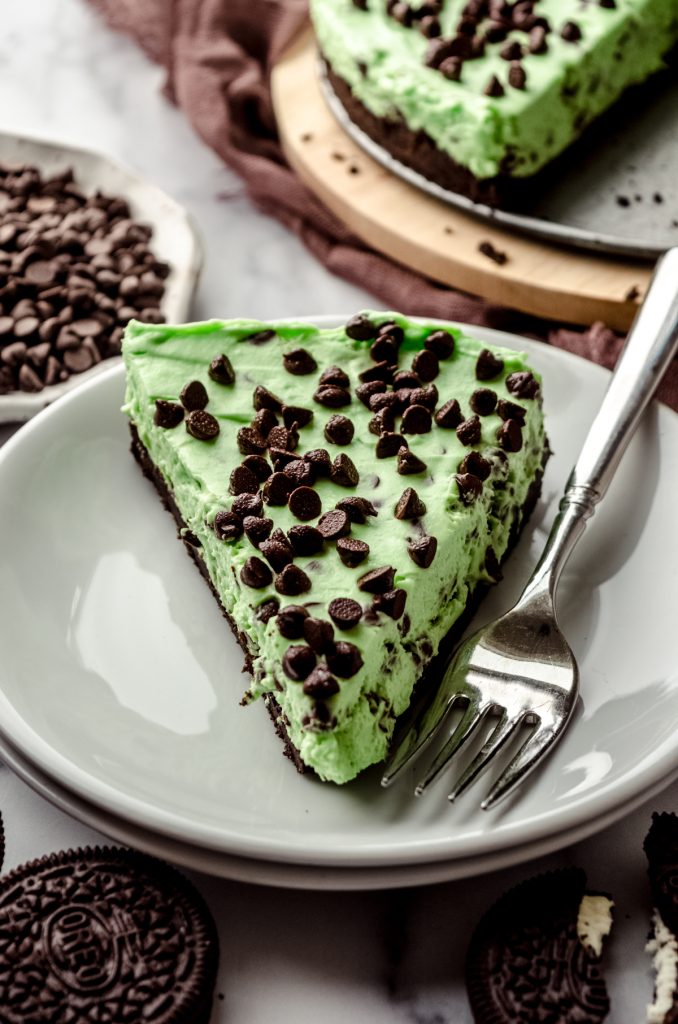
x,y
85,246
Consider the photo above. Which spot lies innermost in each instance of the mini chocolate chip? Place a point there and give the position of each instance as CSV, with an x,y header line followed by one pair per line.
x,y
305,503
406,379
243,481
332,397
300,472
318,634
255,573
488,365
264,421
429,26
384,349
425,365
393,330
494,87
321,683
194,396
277,489
306,540
259,466
277,553
250,441
383,422
319,458
352,551
410,505
537,41
384,400
267,609
257,529
392,603
510,411
483,401
570,32
292,581
265,399
296,414
343,471
360,328
389,445
281,458
227,525
377,581
281,437
290,621
416,420
298,662
512,51
441,343
522,384
299,362
517,77
344,612
260,337
469,431
339,429
336,377
334,524
356,508
427,396
221,370
407,463
247,505
422,551
380,371
344,659
451,68
510,436
365,391
449,415
477,465
167,414
202,425
470,487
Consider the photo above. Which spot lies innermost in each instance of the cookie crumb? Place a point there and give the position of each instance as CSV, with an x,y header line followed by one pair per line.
x,y
496,255
633,294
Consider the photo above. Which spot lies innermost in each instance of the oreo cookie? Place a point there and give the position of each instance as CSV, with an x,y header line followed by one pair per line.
x,y
104,934
535,955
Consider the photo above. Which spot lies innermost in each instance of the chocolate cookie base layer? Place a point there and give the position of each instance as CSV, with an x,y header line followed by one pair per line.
x,y
430,676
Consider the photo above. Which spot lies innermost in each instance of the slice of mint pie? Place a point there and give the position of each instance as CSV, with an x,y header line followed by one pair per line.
x,y
346,493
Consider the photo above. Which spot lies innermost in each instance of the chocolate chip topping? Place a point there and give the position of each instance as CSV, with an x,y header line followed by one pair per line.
x,y
522,384
247,505
292,581
441,343
344,659
385,400
334,524
194,396
321,683
512,51
449,415
300,472
381,371
296,415
510,436
290,621
202,425
267,609
344,612
393,330
343,471
476,464
298,661
483,401
383,422
422,551
227,525
336,377
281,458
470,487
384,349
352,551
277,489
451,68
250,441
425,365
339,430
356,508
167,414
257,529
377,581
319,458
517,77
305,503
406,379
243,481
389,445
264,421
258,465
282,437
221,370
265,399
410,505
416,420
469,432
365,391
488,365
306,540
260,337
299,362
570,32
318,634
407,463
360,328
255,573
494,87
277,551
510,411
427,396
392,603
332,397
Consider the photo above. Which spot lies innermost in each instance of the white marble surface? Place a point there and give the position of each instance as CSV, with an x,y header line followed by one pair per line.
x,y
285,956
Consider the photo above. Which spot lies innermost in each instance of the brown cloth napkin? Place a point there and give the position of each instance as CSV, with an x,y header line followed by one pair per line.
x,y
218,55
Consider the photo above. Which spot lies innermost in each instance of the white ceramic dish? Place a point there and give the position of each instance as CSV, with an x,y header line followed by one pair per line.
x,y
174,241
119,679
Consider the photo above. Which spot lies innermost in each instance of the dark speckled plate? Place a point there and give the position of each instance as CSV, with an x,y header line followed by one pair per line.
x,y
614,191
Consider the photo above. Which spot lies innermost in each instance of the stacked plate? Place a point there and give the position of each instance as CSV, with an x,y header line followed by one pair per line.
x,y
120,680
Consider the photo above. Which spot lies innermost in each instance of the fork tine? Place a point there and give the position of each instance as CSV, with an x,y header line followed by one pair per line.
x,y
502,731
467,724
527,758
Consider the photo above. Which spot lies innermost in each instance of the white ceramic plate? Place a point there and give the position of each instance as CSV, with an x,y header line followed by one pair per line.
x,y
174,241
119,678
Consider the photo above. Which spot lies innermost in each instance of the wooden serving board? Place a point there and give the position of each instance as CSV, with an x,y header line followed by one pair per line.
x,y
424,233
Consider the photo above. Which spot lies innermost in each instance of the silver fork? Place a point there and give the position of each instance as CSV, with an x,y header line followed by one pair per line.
x,y
520,668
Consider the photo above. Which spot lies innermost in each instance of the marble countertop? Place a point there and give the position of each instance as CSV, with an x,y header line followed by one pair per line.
x,y
389,956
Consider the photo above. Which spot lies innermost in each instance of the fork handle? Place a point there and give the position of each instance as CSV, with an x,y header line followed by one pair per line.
x,y
651,344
